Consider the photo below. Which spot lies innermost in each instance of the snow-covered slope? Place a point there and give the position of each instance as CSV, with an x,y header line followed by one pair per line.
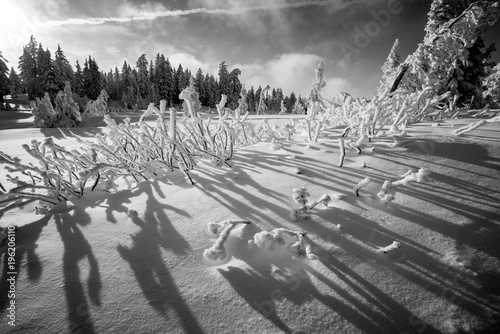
x,y
94,266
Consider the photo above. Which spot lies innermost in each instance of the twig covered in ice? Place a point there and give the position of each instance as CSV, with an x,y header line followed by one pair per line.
x,y
299,195
342,152
361,184
307,246
218,251
468,128
359,142
383,194
280,237
391,247
411,176
324,200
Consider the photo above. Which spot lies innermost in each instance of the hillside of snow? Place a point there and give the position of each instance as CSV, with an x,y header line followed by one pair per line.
x,y
131,261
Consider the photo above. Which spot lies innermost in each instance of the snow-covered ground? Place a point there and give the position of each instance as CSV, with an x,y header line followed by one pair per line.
x,y
94,266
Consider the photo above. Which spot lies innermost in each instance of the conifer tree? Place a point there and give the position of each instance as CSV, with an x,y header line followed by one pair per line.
x,y
234,88
92,82
62,69
28,68
251,99
46,76
77,81
142,77
390,66
178,78
223,79
15,82
5,83
199,83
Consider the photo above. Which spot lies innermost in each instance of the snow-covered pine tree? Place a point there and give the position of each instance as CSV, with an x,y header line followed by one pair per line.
x,y
492,87
193,96
315,100
99,107
429,65
68,111
390,67
65,114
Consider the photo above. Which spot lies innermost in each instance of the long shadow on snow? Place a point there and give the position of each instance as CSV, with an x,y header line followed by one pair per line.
x,y
146,261
275,276
76,249
26,239
412,263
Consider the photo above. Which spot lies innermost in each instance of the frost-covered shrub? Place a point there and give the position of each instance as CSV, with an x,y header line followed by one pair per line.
x,y
191,104
135,150
99,107
65,114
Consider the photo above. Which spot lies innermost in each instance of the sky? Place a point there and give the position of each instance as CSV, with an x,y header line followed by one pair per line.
x,y
277,42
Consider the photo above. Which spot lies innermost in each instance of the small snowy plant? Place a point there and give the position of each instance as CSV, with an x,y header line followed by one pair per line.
x,y
361,184
293,241
391,247
421,175
300,195
223,229
383,194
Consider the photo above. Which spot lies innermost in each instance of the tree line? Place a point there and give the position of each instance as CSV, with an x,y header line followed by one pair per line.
x,y
134,86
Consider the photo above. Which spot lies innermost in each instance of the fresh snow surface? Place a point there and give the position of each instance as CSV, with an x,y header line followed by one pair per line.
x,y
131,261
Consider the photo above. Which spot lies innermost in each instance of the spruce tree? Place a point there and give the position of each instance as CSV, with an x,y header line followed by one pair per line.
x,y
28,68
178,79
199,82
234,88
46,75
223,80
142,77
251,99
390,67
15,82
77,82
92,82
5,83
62,69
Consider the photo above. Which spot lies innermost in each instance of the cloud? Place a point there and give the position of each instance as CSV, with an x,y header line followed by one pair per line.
x,y
191,62
156,11
292,72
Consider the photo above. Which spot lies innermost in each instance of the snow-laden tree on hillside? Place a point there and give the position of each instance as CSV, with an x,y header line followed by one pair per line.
x,y
390,66
429,66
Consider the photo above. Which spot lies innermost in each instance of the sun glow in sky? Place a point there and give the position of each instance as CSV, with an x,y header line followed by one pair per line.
x,y
277,43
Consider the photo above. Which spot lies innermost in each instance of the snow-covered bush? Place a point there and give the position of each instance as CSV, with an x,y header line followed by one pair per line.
x,y
293,241
492,84
135,150
99,107
65,114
